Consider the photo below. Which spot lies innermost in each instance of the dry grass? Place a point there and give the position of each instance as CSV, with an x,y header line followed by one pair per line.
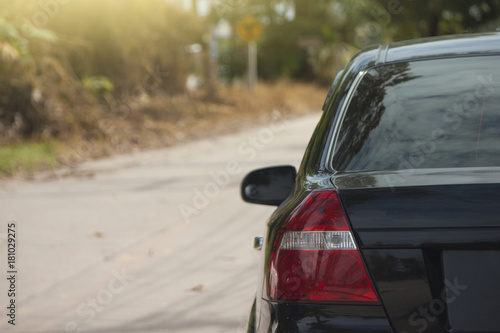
x,y
158,121
117,85
148,122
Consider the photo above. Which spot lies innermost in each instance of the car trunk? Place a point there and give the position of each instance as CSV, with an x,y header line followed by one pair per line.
x,y
431,242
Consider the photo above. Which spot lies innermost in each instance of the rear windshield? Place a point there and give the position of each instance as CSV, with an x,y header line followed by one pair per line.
x,y
426,114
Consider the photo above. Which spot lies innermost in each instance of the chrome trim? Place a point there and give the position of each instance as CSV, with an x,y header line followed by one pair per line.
x,y
258,242
333,143
318,240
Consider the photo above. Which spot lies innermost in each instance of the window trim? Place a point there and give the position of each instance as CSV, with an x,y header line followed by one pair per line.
x,y
332,146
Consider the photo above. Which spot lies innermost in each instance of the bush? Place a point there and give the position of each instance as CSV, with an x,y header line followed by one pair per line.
x,y
65,65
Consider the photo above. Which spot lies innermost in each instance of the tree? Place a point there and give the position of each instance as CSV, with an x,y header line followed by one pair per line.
x,y
441,17
302,37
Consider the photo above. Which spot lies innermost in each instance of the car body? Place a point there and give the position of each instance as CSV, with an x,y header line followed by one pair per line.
x,y
392,222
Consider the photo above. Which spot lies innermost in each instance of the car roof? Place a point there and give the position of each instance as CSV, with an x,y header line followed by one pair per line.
x,y
440,47
428,48
452,46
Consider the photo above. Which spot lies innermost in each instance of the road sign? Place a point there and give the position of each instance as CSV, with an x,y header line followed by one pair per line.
x,y
249,29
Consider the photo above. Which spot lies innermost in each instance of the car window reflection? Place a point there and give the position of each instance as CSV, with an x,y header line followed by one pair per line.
x,y
426,114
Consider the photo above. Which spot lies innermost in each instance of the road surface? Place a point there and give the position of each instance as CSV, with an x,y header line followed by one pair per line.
x,y
157,241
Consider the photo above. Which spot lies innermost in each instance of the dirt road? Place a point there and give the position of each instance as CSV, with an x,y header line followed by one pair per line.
x,y
157,241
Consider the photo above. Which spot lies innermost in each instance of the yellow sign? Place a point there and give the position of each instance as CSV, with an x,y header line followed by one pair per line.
x,y
249,29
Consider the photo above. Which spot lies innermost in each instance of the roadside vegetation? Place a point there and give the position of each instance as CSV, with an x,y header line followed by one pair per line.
x,y
28,156
82,79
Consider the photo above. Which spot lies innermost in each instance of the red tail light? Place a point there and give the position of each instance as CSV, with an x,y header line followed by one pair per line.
x,y
314,256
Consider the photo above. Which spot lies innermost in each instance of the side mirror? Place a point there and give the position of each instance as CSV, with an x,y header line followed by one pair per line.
x,y
269,186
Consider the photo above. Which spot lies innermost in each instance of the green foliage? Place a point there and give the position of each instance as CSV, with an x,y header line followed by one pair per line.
x,y
128,40
98,84
27,157
66,64
11,39
441,17
11,34
338,27
298,33
63,62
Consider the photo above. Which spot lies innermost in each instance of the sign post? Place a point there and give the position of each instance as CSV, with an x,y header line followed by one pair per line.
x,y
249,29
252,64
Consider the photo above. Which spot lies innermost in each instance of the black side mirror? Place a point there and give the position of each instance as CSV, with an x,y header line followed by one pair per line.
x,y
269,186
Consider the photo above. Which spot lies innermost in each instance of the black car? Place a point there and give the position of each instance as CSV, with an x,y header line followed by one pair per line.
x,y
392,222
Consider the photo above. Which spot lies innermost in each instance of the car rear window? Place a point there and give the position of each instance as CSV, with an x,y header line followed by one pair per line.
x,y
425,114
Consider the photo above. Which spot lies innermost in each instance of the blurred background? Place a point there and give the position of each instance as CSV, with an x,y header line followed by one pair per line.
x,y
82,79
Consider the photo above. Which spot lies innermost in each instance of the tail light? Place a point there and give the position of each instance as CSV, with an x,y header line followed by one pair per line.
x,y
314,256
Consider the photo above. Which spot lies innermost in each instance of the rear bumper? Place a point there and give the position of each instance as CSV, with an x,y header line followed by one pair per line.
x,y
297,318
